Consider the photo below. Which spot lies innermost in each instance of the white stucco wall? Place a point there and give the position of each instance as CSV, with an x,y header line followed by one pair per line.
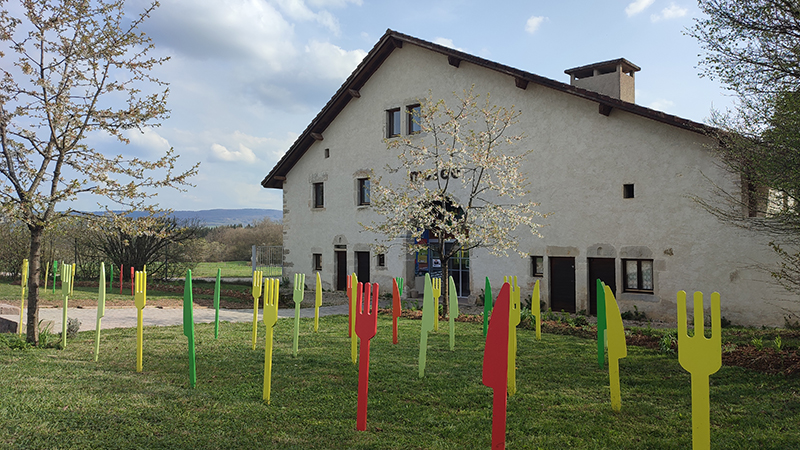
x,y
581,160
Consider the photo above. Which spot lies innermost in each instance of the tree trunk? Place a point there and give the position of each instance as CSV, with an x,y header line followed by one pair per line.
x,y
35,269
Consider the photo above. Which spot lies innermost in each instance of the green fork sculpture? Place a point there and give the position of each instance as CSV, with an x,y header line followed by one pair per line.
x,y
488,302
602,339
66,291
101,308
258,281
188,326
297,296
216,303
427,323
270,319
453,312
701,357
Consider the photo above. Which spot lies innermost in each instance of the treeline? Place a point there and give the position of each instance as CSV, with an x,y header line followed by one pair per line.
x,y
168,247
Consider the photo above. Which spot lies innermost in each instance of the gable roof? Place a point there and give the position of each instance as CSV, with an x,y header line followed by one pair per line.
x,y
392,40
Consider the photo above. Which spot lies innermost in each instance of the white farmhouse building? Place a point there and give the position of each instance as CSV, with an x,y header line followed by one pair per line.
x,y
617,178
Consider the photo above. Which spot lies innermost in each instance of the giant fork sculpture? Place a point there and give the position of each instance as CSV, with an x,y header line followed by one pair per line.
x,y
66,291
453,312
317,303
188,326
23,284
514,318
270,319
488,302
427,323
216,303
258,282
297,296
396,310
101,308
701,357
140,299
437,292
602,340
352,304
366,327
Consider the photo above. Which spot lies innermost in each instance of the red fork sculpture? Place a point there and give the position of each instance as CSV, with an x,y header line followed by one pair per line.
x,y
495,365
366,327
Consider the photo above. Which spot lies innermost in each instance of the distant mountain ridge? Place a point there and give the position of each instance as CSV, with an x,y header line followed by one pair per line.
x,y
221,217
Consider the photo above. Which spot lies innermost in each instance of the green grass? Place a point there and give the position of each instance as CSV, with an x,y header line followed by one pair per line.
x,y
231,269
63,399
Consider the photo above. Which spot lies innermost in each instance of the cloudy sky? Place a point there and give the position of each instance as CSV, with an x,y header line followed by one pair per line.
x,y
247,76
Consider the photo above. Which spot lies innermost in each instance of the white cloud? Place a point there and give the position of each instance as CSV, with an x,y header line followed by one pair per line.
x,y
637,6
534,23
244,154
148,139
446,43
334,3
673,11
327,61
297,10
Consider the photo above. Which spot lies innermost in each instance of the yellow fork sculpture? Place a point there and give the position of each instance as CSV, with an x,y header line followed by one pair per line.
x,y
258,281
66,291
617,347
24,284
514,318
270,319
436,284
140,299
701,357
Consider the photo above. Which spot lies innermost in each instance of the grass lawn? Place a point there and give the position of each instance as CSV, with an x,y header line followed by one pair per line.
x,y
231,269
62,399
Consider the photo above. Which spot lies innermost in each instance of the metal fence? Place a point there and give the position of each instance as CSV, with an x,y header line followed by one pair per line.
x,y
269,259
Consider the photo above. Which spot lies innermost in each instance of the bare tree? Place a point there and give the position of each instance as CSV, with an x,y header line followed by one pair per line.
x,y
73,69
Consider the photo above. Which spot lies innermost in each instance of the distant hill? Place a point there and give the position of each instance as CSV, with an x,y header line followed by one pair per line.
x,y
219,217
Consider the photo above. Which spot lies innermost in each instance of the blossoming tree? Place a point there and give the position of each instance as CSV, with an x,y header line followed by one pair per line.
x,y
71,70
459,179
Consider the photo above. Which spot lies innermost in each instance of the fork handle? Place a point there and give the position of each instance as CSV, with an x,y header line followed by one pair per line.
x,y
394,330
701,422
423,351
296,328
139,339
268,365
363,385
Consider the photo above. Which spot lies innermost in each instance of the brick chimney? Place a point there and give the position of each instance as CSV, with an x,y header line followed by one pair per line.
x,y
613,78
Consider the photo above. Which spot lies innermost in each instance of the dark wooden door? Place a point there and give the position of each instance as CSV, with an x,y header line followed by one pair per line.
x,y
362,267
341,271
562,284
605,270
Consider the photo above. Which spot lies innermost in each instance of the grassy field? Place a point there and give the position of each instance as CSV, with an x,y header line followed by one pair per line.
x,y
63,399
231,269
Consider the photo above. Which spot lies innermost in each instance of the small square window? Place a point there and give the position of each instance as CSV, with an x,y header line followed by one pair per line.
x,y
363,191
627,191
638,275
317,261
319,195
393,122
327,153
381,260
413,112
537,266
